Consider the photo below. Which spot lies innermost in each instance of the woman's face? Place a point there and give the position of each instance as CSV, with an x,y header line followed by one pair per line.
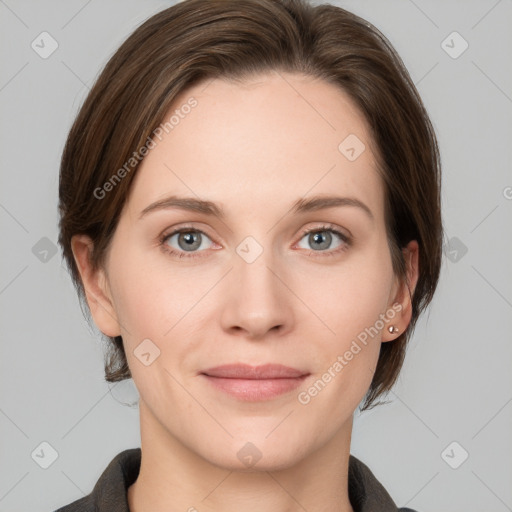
x,y
247,284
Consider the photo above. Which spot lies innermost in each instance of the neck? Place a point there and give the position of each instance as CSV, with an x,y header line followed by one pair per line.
x,y
174,478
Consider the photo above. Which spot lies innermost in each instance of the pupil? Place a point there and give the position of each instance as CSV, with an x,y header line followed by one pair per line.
x,y
190,240
320,239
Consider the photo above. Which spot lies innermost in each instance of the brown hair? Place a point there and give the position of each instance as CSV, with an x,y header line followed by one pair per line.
x,y
199,39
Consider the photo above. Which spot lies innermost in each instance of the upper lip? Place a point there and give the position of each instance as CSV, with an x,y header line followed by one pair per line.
x,y
245,371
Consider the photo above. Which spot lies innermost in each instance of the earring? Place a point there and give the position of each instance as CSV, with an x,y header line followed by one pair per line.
x,y
392,329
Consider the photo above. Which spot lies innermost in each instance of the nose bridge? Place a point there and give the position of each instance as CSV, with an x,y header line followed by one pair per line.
x,y
257,272
255,269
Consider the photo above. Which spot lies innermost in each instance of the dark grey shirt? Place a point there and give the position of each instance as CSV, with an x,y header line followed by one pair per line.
x,y
366,494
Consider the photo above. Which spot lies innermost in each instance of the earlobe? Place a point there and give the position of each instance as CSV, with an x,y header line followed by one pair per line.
x,y
96,287
402,301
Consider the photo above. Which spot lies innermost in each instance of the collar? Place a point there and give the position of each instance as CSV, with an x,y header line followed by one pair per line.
x,y
366,493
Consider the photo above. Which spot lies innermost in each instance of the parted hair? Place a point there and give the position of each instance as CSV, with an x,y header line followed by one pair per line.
x,y
235,39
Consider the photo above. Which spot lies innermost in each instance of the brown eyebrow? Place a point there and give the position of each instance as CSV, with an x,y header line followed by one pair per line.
x,y
321,202
185,203
302,205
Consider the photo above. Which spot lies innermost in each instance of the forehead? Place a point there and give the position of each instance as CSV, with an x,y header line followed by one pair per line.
x,y
268,140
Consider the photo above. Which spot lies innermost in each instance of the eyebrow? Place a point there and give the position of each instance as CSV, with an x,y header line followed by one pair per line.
x,y
302,205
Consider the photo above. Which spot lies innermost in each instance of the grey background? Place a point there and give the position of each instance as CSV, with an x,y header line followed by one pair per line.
x,y
456,382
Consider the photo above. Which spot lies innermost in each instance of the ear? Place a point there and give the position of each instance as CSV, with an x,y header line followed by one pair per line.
x,y
96,287
401,299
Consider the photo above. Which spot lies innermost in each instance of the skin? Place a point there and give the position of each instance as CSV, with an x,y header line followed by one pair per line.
x,y
253,147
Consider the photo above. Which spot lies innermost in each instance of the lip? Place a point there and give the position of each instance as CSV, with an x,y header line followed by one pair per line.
x,y
254,383
245,371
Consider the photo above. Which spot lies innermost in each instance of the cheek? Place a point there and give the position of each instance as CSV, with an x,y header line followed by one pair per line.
x,y
347,297
151,295
349,300
345,359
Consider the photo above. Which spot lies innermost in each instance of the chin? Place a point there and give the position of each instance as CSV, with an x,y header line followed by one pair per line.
x,y
254,453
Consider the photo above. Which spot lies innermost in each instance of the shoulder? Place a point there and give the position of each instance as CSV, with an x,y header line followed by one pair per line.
x,y
110,492
81,505
366,493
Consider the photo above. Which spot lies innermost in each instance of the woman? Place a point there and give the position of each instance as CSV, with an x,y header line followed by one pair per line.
x,y
250,206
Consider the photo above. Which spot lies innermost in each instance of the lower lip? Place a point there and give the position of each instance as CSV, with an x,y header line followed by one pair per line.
x,y
254,390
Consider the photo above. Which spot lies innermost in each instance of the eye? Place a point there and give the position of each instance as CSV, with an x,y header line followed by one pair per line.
x,y
321,238
188,240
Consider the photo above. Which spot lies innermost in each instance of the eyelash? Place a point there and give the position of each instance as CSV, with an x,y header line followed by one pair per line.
x,y
347,241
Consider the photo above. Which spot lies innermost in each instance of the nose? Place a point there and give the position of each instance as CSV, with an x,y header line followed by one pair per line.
x,y
257,298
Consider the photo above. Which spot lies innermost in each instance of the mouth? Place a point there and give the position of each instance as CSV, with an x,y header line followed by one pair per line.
x,y
255,383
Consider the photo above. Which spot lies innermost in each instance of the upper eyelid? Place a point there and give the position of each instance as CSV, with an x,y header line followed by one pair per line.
x,y
327,227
